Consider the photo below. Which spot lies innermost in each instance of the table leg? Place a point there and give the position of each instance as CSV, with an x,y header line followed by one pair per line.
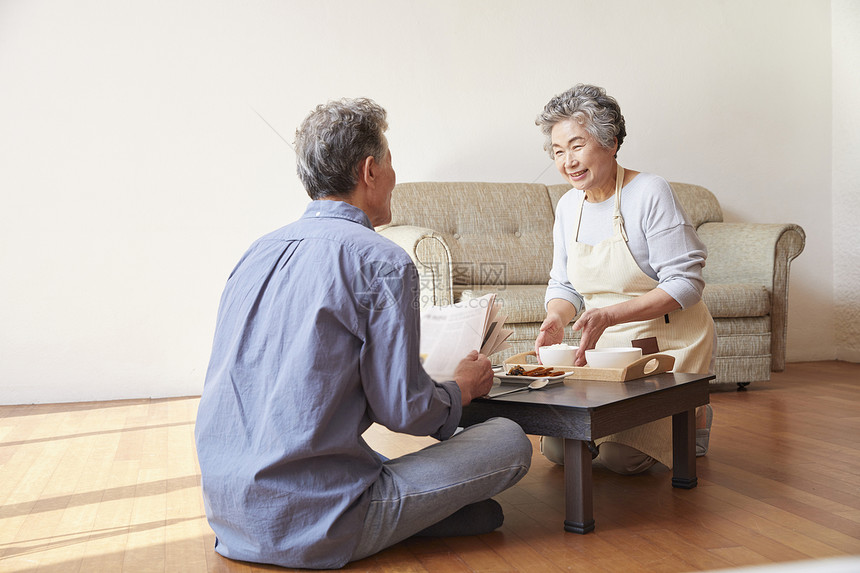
x,y
684,450
579,509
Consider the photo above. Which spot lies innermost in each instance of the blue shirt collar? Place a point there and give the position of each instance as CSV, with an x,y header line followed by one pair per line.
x,y
337,210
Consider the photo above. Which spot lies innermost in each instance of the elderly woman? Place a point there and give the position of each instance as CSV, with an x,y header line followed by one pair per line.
x,y
626,254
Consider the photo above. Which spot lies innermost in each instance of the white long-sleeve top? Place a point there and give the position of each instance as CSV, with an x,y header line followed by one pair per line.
x,y
660,236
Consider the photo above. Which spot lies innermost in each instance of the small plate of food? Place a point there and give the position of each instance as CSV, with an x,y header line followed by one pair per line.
x,y
523,374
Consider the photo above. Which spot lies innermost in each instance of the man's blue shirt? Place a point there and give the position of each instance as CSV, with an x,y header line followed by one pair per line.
x,y
316,338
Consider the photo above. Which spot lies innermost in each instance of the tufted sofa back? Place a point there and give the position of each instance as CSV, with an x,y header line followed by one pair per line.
x,y
490,228
502,232
700,204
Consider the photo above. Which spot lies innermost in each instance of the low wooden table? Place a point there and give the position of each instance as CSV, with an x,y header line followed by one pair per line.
x,y
583,410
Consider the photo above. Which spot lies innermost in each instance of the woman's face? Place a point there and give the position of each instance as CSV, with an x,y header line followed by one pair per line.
x,y
581,159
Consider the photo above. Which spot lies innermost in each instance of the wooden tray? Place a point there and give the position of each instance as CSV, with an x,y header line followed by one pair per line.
x,y
648,365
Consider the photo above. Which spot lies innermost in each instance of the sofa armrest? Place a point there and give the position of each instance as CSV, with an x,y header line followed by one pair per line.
x,y
756,253
432,257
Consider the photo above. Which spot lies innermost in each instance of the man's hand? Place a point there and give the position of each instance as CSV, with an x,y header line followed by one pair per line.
x,y
474,376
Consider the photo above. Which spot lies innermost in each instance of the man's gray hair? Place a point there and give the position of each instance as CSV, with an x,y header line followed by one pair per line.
x,y
599,114
332,142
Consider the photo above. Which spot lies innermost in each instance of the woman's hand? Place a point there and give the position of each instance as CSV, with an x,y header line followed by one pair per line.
x,y
592,323
559,313
551,332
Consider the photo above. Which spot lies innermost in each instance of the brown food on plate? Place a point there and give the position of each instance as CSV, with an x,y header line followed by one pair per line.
x,y
535,372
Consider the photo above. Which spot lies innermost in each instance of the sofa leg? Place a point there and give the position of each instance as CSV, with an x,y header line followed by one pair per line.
x,y
742,386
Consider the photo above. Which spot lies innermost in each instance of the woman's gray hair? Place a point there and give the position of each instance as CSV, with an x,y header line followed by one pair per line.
x,y
332,142
599,114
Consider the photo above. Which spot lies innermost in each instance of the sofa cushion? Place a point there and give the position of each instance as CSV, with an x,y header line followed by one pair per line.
x,y
700,204
521,303
498,233
524,303
736,300
556,192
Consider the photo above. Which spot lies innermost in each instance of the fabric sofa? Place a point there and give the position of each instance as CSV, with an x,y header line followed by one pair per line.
x,y
468,239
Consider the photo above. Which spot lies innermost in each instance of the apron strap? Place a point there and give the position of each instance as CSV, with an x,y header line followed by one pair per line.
x,y
618,219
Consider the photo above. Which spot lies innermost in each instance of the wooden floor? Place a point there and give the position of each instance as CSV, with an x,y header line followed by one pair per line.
x,y
114,486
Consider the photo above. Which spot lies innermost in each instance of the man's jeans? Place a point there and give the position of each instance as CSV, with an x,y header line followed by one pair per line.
x,y
420,489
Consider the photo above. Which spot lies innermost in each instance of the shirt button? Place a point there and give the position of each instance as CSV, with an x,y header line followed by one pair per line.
x,y
517,234
456,235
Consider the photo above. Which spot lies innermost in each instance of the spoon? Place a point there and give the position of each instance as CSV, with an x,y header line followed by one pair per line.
x,y
535,385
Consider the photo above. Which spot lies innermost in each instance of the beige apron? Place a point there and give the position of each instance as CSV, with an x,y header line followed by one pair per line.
x,y
606,274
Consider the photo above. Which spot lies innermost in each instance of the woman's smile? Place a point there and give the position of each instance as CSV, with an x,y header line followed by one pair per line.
x,y
577,175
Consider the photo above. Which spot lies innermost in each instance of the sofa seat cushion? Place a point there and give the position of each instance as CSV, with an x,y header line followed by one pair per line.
x,y
524,303
521,303
736,300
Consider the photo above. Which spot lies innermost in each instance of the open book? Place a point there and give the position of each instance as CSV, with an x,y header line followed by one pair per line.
x,y
449,333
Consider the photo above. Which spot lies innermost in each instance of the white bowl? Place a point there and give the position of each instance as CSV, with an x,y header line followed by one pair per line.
x,y
612,357
558,355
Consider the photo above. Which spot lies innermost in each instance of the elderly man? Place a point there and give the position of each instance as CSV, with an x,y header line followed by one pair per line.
x,y
316,339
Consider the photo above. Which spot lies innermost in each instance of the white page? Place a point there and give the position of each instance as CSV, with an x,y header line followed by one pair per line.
x,y
449,333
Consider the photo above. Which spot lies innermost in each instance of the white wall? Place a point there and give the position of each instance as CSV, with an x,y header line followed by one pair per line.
x,y
846,177
135,170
